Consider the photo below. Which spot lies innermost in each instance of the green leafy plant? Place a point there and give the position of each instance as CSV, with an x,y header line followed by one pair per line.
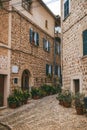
x,y
26,95
79,100
65,97
12,99
35,92
79,103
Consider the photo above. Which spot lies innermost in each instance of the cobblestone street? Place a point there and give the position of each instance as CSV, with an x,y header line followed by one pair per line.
x,y
43,114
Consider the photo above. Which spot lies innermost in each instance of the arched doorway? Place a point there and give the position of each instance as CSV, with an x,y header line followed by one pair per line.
x,y
25,80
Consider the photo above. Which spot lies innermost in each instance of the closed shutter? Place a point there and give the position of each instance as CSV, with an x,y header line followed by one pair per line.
x,y
85,42
47,69
31,35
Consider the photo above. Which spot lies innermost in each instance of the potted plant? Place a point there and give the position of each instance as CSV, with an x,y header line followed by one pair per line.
x,y
79,103
19,94
60,97
26,95
35,93
13,101
67,98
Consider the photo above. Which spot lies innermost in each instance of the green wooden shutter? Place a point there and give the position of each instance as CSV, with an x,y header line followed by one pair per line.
x,y
31,35
37,39
51,69
66,8
56,70
47,69
48,46
85,42
44,43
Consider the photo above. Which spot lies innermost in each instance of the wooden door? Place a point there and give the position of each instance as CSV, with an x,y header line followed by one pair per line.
x,y
1,89
77,86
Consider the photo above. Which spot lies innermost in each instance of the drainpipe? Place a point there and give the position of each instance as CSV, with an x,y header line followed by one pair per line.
x,y
54,61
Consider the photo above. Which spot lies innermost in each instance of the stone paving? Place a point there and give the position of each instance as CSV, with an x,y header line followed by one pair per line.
x,y
43,114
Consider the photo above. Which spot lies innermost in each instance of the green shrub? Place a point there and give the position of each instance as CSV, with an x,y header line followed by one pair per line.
x,y
34,92
12,99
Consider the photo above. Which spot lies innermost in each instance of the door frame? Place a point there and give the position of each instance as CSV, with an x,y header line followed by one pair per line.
x,y
25,73
73,78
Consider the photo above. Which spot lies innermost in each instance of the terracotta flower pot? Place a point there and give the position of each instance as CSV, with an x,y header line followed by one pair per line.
x,y
25,101
79,111
13,105
61,102
67,104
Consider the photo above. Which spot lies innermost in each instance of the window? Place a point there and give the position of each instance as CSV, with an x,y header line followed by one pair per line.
x,y
27,4
85,42
46,23
57,48
34,37
46,45
15,80
48,69
66,8
58,70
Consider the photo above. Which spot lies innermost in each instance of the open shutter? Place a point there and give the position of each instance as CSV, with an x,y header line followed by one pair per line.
x,y
48,46
44,43
85,42
56,70
37,39
47,69
51,69
31,35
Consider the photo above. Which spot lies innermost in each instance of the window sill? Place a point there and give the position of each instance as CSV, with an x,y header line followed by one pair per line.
x,y
32,44
66,17
83,57
46,51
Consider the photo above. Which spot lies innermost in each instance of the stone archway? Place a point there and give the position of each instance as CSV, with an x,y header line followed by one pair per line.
x,y
25,80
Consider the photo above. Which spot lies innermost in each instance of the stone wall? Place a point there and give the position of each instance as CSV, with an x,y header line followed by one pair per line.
x,y
74,64
28,56
4,23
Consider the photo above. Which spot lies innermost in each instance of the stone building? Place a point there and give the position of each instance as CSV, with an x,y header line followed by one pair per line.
x,y
26,45
74,45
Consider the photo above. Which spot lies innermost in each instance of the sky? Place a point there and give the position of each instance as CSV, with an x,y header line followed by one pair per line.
x,y
54,5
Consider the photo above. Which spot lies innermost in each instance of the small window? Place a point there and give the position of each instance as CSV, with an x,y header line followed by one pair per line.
x,y
34,37
85,42
48,69
46,45
46,23
66,8
15,81
27,4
